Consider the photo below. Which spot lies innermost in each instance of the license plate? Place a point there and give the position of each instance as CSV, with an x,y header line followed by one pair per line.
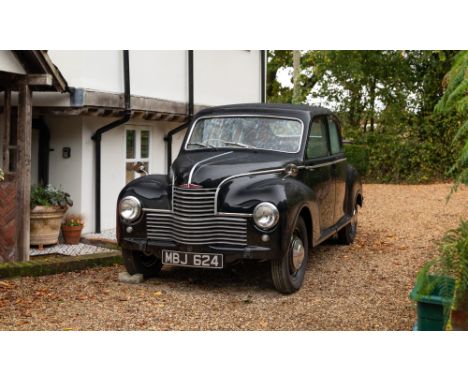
x,y
194,260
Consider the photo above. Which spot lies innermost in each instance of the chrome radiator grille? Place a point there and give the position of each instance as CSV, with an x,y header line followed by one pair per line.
x,y
192,221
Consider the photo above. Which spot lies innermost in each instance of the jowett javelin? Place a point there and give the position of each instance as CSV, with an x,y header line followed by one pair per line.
x,y
263,182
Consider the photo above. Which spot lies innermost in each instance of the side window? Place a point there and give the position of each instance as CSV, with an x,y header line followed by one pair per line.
x,y
317,145
335,143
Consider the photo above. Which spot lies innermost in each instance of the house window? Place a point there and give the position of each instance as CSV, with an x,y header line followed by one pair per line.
x,y
137,148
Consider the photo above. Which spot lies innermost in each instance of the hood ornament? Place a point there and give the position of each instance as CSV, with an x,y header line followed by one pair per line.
x,y
190,186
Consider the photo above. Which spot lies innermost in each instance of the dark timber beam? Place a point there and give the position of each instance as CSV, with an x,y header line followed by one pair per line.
x,y
6,130
23,170
39,79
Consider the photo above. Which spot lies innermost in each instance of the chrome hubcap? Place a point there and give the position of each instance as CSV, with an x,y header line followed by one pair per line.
x,y
298,253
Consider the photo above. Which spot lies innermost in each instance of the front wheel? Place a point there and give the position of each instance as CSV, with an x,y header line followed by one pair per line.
x,y
137,262
288,272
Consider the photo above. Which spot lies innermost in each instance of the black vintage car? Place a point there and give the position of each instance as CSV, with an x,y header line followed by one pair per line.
x,y
258,182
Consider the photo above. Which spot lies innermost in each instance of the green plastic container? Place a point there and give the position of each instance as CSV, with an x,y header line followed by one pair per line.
x,y
433,309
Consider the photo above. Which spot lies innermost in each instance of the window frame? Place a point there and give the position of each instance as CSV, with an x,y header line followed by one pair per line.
x,y
338,129
137,158
327,138
270,116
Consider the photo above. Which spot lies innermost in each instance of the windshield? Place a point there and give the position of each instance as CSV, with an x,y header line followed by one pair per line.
x,y
265,133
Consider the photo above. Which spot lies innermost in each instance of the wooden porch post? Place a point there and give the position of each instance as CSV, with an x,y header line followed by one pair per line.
x,y
23,169
6,130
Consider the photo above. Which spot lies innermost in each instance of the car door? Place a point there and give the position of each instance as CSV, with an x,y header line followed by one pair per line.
x,y
318,174
338,167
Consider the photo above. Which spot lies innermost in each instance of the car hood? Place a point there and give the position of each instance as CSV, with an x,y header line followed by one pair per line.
x,y
209,168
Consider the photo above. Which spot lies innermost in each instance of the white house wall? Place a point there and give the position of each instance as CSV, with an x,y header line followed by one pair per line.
x,y
159,74
220,76
226,76
91,69
66,173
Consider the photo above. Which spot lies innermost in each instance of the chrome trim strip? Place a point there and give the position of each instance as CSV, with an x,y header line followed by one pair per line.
x,y
208,228
250,115
203,161
219,217
204,234
262,172
155,210
173,186
192,242
239,214
195,210
339,160
321,164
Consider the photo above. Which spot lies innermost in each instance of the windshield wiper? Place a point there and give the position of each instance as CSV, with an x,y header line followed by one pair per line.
x,y
200,144
239,144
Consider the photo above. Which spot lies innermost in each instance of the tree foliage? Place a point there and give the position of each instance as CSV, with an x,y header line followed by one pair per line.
x,y
385,100
455,100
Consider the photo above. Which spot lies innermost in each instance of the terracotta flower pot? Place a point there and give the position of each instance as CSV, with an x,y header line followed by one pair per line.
x,y
45,224
459,320
71,234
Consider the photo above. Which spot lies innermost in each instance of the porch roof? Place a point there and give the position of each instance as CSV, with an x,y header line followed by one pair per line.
x,y
39,62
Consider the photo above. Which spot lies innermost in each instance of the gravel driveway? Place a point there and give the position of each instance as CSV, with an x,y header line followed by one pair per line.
x,y
360,287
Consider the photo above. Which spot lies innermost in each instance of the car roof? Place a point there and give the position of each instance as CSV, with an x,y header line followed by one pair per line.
x,y
280,108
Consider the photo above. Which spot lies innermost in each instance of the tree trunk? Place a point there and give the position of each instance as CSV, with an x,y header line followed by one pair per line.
x,y
372,104
296,74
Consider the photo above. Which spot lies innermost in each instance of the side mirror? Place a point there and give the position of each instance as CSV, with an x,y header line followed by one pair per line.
x,y
140,168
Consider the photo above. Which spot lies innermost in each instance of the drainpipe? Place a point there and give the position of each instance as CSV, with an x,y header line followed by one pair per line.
x,y
98,134
168,137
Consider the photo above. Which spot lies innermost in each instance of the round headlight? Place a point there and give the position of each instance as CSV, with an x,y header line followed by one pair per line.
x,y
265,215
129,208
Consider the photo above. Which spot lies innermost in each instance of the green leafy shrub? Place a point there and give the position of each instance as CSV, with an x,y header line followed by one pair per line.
x,y
455,99
452,264
421,153
49,196
358,157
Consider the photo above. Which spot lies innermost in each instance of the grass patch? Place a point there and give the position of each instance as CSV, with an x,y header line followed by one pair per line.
x,y
52,264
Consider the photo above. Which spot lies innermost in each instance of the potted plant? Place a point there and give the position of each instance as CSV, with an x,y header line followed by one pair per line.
x,y
455,258
48,205
441,289
433,294
71,228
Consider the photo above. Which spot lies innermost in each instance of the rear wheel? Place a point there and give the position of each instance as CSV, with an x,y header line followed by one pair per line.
x,y
347,234
137,262
288,272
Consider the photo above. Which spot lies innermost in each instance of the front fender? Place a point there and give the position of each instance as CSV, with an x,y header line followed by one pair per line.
x,y
152,190
290,196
